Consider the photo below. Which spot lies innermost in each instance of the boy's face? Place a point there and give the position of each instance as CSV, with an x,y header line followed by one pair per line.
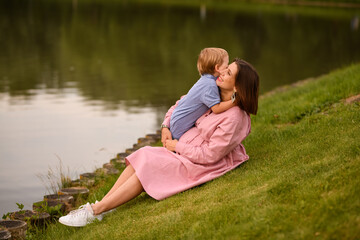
x,y
222,67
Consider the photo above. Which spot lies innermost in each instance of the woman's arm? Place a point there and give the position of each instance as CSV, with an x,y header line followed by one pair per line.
x,y
224,139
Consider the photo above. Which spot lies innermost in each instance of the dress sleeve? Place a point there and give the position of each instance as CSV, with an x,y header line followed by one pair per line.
x,y
224,139
169,112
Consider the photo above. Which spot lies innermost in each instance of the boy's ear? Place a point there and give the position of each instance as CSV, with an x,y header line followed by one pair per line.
x,y
217,68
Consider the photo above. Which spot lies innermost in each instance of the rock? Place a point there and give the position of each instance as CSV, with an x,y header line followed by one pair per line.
x,y
114,161
5,234
142,140
111,171
87,176
17,228
88,182
75,183
130,150
148,142
108,165
75,192
35,218
156,137
67,200
121,157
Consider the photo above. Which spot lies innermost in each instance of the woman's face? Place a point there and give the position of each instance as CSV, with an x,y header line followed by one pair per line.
x,y
226,80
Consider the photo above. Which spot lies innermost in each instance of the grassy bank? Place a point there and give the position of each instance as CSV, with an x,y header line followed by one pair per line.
x,y
301,181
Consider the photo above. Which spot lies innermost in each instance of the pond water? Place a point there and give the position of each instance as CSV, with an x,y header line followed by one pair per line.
x,y
81,82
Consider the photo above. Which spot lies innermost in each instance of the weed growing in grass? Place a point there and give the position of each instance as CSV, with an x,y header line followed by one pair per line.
x,y
56,179
21,211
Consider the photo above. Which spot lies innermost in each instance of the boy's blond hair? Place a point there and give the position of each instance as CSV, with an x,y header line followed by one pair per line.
x,y
208,58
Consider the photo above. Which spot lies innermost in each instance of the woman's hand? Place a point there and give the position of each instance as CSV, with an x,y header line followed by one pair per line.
x,y
171,145
165,135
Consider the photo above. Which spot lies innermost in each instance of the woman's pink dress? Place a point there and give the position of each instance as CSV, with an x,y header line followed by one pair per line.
x,y
207,151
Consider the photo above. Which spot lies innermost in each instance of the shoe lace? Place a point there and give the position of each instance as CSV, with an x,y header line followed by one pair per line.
x,y
80,209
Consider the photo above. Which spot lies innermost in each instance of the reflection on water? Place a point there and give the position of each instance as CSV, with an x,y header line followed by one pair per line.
x,y
148,53
355,23
74,80
62,125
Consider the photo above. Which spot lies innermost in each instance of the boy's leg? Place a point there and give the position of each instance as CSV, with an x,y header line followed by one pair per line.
x,y
130,189
128,172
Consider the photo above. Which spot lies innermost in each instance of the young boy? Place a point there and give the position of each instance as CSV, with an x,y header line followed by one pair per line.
x,y
203,95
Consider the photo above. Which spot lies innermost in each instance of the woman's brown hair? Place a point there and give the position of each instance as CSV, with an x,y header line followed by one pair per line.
x,y
247,87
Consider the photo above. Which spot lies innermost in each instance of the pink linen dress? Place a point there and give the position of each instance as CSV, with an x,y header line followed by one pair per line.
x,y
206,151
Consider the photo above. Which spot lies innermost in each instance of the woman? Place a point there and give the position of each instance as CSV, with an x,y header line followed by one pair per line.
x,y
207,151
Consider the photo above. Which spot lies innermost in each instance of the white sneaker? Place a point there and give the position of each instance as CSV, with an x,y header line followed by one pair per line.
x,y
80,217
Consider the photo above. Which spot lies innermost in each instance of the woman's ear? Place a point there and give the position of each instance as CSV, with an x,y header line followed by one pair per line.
x,y
235,89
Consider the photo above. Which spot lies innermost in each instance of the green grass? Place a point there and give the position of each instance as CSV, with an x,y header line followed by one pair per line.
x,y
301,181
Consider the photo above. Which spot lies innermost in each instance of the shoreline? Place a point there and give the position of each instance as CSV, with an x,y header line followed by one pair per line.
x,y
120,156
291,144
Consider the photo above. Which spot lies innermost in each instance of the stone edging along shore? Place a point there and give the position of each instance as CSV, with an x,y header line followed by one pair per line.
x,y
65,199
88,179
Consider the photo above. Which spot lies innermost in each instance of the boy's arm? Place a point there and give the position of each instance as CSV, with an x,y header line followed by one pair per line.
x,y
222,106
169,113
165,131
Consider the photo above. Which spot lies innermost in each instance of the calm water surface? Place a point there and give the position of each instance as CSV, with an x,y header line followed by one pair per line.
x,y
82,82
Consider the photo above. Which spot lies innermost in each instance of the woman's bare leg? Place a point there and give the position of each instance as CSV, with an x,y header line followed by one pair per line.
x,y
124,176
130,189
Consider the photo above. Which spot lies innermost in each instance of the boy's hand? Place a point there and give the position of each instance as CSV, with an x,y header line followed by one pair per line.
x,y
171,145
165,135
